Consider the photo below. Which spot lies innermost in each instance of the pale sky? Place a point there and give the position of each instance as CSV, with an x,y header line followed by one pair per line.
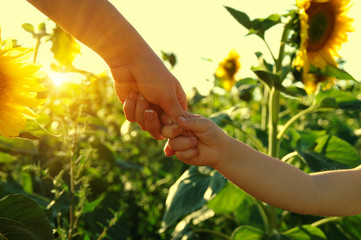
x,y
193,30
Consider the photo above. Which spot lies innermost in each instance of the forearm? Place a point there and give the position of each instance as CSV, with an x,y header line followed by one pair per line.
x,y
268,179
97,24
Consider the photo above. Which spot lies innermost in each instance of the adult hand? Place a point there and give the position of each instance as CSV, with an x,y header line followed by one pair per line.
x,y
149,76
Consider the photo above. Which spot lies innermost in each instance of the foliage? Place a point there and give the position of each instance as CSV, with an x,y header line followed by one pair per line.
x,y
272,113
87,173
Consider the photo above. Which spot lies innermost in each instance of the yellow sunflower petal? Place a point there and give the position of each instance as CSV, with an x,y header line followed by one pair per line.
x,y
19,87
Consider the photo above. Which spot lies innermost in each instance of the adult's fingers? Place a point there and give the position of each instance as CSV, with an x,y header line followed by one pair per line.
x,y
142,105
152,124
172,104
129,106
124,83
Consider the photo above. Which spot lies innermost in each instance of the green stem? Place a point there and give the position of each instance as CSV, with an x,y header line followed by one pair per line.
x,y
288,156
273,112
293,119
264,108
263,211
324,221
37,46
270,50
203,230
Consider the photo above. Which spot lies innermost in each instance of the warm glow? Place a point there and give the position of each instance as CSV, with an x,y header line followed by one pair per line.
x,y
59,78
220,33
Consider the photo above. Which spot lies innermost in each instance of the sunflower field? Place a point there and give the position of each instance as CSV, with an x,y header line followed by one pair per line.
x,y
72,166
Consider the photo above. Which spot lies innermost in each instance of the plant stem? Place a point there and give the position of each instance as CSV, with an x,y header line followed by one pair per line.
x,y
264,108
324,221
293,119
203,230
273,117
288,156
273,111
270,50
37,46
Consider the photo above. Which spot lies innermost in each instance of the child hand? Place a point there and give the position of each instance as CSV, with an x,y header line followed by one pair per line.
x,y
205,148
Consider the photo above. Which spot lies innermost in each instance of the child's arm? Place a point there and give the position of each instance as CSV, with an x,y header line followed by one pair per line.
x,y
336,193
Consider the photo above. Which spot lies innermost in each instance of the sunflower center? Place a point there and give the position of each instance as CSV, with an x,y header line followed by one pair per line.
x,y
321,25
230,67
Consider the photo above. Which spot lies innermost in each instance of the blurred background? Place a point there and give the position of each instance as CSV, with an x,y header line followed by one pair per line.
x,y
200,33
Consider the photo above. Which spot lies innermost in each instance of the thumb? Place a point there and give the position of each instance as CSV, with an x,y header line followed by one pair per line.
x,y
194,123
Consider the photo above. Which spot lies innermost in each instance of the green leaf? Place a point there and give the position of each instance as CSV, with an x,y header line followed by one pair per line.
x,y
17,146
317,162
308,138
261,25
34,131
354,105
305,232
42,27
241,17
336,72
334,98
263,63
21,218
351,226
328,102
257,26
90,206
338,150
330,153
227,200
265,77
340,96
28,27
6,158
191,191
293,91
220,118
248,233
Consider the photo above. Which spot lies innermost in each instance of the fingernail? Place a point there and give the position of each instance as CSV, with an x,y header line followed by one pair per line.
x,y
149,114
194,140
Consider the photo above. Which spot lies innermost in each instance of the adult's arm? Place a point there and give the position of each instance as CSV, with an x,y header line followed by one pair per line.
x,y
100,26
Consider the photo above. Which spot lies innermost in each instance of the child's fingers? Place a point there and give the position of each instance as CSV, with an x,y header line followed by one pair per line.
x,y
129,106
187,154
171,131
142,105
152,123
194,123
182,143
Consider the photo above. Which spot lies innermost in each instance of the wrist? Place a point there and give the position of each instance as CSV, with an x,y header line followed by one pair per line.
x,y
225,152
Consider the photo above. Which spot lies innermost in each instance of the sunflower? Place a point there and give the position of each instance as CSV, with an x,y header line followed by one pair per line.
x,y
324,27
227,70
19,85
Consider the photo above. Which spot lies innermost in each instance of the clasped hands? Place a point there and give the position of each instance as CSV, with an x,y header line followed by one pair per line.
x,y
193,139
